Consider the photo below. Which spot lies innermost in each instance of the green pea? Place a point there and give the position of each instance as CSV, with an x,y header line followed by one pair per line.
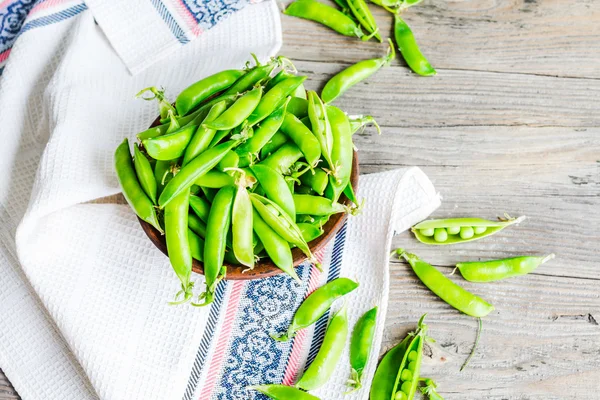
x,y
466,232
480,229
406,375
427,232
412,365
453,230
412,356
406,386
400,396
440,235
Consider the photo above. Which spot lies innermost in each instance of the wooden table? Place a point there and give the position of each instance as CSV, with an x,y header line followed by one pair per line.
x,y
511,123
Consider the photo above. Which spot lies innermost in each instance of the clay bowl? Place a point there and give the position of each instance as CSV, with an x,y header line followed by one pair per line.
x,y
265,268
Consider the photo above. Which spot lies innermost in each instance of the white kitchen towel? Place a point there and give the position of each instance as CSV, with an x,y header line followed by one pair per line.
x,y
83,292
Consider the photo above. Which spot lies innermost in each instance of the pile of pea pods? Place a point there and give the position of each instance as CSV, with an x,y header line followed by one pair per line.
x,y
246,164
353,18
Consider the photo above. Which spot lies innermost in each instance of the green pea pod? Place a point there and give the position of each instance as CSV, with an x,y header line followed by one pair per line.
x,y
298,106
299,92
197,225
361,12
349,192
241,228
275,246
445,289
317,180
407,377
275,188
231,160
203,135
249,150
144,173
360,346
209,193
319,122
219,136
200,206
281,392
194,94
132,190
302,137
215,179
178,246
495,270
238,112
459,230
354,74
219,220
384,380
317,304
251,78
196,245
316,205
283,158
326,15
342,151
171,145
274,98
281,223
410,50
429,390
321,369
276,141
199,166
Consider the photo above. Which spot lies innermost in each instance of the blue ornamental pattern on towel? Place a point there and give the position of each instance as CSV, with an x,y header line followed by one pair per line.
x,y
210,12
11,21
254,357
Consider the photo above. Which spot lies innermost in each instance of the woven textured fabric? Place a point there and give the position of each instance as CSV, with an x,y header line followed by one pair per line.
x,y
83,292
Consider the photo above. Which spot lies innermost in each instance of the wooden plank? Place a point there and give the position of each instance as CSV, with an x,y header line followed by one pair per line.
x,y
518,36
7,392
465,98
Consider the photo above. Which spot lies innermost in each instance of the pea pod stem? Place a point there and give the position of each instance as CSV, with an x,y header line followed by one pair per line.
x,y
479,329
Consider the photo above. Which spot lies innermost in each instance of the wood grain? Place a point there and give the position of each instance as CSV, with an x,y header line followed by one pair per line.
x,y
510,124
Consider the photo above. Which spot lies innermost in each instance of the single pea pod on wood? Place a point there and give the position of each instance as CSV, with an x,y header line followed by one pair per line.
x,y
388,382
410,50
326,15
282,392
323,366
445,289
495,270
459,230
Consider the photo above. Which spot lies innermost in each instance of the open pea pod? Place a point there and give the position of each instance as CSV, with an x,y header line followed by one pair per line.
x,y
459,230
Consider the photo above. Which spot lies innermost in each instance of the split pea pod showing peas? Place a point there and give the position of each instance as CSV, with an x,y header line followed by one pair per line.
x,y
360,347
282,392
459,230
410,50
322,367
326,15
194,94
495,270
132,190
445,289
397,375
354,74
